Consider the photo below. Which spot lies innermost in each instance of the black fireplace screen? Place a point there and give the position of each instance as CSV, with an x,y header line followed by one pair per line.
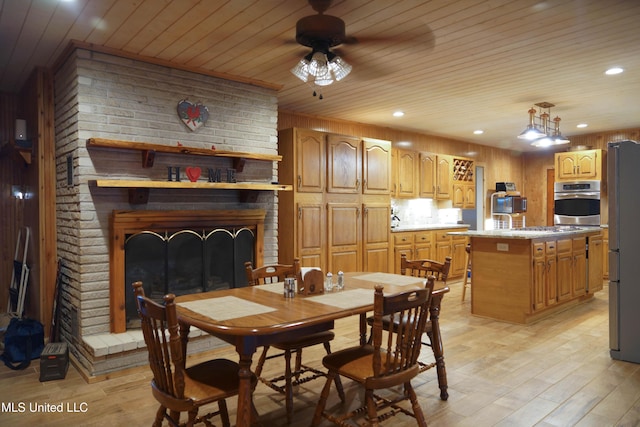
x,y
185,262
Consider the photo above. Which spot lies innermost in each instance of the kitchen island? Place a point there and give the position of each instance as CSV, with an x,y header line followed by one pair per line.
x,y
523,275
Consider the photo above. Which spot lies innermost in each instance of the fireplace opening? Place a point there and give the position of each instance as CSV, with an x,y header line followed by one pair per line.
x,y
185,262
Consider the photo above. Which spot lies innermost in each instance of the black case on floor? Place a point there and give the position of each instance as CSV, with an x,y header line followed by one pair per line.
x,y
54,361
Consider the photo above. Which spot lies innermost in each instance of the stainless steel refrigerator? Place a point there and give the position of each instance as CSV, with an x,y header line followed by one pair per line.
x,y
623,173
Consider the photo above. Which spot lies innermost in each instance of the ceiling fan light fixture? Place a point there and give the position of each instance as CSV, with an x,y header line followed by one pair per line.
x,y
318,65
339,67
301,70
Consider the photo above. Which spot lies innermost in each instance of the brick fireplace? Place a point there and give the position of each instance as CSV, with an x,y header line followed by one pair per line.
x,y
99,95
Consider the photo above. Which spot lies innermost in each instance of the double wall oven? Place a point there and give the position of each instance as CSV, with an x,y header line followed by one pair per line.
x,y
577,203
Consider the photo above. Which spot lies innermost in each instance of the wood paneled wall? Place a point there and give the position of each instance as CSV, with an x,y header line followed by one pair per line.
x,y
35,105
11,173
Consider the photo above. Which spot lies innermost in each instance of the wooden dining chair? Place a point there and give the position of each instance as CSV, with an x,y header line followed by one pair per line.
x,y
177,388
391,359
425,268
301,373
440,271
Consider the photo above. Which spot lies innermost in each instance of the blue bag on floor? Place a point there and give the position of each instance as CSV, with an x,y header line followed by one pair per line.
x,y
23,341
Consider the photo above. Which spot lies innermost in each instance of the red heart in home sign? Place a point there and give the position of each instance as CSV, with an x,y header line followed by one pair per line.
x,y
193,173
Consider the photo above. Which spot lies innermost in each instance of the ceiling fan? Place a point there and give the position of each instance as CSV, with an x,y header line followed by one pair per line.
x,y
320,32
323,33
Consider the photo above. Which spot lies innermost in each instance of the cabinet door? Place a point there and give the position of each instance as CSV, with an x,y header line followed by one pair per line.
x,y
344,228
579,278
565,267
376,167
469,196
551,277
344,160
586,162
407,174
310,161
539,274
458,195
310,234
458,257
566,167
443,178
427,175
375,221
423,247
596,255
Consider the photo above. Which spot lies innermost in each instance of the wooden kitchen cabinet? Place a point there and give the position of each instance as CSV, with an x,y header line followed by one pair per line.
x,y
340,206
551,278
428,167
406,174
565,267
344,164
539,276
402,244
443,177
344,237
310,232
544,276
309,173
376,167
375,236
464,196
522,280
464,183
579,273
423,247
453,246
576,165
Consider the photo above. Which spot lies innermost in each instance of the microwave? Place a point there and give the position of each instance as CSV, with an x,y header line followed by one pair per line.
x,y
509,204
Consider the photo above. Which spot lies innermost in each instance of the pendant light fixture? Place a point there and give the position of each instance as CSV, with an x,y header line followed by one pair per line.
x,y
539,130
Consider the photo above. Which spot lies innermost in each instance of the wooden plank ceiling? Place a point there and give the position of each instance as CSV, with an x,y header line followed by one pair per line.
x,y
453,66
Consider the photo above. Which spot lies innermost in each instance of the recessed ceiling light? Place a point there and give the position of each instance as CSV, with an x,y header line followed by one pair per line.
x,y
478,132
398,114
613,71
582,125
403,144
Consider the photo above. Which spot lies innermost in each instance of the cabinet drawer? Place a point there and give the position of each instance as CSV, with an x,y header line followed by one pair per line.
x,y
423,237
403,238
538,249
564,246
442,236
551,248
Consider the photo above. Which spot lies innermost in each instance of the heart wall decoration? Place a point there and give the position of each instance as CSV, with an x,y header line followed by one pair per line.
x,y
192,115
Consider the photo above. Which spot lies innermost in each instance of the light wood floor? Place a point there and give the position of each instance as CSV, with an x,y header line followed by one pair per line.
x,y
556,372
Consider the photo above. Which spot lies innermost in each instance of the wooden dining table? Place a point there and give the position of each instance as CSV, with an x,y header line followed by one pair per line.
x,y
255,316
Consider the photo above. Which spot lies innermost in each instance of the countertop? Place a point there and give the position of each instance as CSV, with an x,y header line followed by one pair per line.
x,y
529,234
428,227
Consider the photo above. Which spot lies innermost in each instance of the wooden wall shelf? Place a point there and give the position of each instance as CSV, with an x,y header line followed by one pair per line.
x,y
126,183
139,189
149,150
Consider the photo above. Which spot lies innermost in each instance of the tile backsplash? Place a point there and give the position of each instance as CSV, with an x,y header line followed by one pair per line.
x,y
417,212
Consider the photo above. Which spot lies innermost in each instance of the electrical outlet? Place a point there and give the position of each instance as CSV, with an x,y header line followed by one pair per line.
x,y
503,247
